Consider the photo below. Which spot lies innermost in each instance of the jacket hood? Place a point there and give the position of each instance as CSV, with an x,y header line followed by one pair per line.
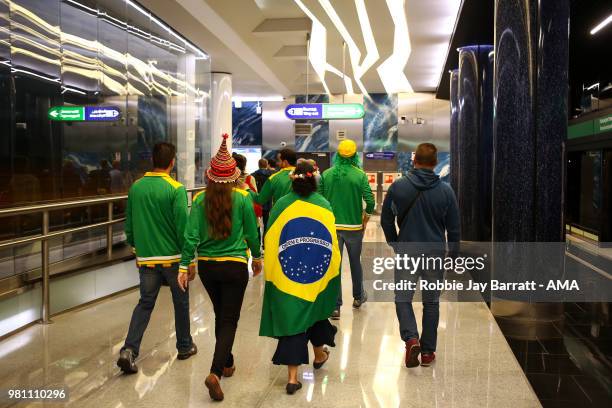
x,y
423,179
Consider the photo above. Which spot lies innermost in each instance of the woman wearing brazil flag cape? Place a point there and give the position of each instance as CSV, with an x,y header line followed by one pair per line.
x,y
301,269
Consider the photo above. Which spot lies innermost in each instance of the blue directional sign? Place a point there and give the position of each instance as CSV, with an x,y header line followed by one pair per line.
x,y
102,113
380,155
325,111
304,111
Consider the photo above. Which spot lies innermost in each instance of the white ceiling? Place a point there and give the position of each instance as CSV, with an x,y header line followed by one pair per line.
x,y
263,42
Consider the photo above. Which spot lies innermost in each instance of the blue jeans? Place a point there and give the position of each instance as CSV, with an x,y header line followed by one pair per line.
x,y
431,309
353,241
151,280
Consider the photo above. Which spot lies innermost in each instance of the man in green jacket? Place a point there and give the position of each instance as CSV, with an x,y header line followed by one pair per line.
x,y
279,183
346,187
156,216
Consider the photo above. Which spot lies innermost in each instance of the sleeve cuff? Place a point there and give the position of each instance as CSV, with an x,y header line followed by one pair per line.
x,y
183,269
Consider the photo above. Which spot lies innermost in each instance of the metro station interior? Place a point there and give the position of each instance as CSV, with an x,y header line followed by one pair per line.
x,y
516,96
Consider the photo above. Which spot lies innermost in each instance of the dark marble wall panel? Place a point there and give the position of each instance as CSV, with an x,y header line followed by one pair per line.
x,y
380,123
474,143
454,142
530,119
551,118
485,146
246,125
318,140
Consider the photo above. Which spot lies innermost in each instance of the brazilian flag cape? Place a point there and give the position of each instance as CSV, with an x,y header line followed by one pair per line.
x,y
301,265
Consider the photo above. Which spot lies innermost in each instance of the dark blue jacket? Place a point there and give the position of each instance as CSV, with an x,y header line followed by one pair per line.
x,y
434,216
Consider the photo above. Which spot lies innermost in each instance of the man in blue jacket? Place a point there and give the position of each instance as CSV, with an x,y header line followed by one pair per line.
x,y
426,211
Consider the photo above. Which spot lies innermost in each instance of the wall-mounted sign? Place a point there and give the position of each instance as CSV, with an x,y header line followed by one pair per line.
x,y
372,179
590,127
325,111
84,113
380,155
389,178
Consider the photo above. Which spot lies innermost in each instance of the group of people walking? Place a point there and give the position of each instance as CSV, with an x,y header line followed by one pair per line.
x,y
308,219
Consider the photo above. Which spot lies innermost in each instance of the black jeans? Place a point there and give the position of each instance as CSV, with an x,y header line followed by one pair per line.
x,y
225,283
151,279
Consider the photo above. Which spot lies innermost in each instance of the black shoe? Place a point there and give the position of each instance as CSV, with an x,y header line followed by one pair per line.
x,y
336,314
185,355
127,362
321,363
358,302
292,388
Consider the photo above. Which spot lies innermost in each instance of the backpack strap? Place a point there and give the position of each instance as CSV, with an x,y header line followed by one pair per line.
x,y
404,215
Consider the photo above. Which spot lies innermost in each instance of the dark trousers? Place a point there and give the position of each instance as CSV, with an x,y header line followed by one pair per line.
x,y
353,241
431,310
293,350
225,283
266,217
151,280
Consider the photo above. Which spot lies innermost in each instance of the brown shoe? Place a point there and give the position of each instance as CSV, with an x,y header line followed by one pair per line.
x,y
229,371
413,349
214,388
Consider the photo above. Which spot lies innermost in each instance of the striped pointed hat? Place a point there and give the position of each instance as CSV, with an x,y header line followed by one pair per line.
x,y
223,166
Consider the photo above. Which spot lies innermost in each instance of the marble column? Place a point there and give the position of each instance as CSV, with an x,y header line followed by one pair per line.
x,y
474,136
530,122
529,130
221,110
454,146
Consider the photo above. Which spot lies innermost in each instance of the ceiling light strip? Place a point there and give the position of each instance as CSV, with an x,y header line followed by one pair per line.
x,y
601,25
317,53
391,71
354,53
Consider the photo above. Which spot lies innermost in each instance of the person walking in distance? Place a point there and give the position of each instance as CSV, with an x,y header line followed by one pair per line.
x,y
156,216
426,212
279,183
346,188
222,228
261,175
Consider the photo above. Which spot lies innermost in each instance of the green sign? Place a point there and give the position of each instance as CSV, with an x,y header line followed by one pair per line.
x,y
343,111
603,124
67,113
590,127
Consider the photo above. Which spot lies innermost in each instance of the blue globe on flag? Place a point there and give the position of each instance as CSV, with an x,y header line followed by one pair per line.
x,y
305,250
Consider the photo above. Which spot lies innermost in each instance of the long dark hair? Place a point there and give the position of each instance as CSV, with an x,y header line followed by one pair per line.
x,y
304,182
218,209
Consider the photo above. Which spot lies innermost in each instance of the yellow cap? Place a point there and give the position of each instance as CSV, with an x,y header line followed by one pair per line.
x,y
347,148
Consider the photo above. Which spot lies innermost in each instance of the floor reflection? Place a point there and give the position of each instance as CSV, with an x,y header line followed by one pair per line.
x,y
475,365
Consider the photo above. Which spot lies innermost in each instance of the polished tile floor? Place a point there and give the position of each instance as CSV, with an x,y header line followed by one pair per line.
x,y
475,366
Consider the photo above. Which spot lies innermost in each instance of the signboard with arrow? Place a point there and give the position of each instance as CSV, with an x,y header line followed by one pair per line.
x,y
324,111
84,113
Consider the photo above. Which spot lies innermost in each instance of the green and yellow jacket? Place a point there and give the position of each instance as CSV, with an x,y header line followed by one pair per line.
x,y
242,242
346,188
156,216
277,186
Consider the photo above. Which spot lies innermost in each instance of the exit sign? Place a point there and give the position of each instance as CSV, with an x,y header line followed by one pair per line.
x,y
84,113
324,111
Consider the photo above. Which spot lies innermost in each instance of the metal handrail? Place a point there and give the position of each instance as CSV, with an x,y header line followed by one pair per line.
x,y
55,234
47,235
